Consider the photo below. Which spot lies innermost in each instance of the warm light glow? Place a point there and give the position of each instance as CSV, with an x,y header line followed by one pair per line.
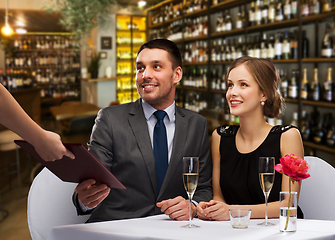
x,y
7,30
142,3
20,24
21,30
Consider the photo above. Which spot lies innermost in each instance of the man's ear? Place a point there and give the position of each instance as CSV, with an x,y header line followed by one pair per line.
x,y
177,75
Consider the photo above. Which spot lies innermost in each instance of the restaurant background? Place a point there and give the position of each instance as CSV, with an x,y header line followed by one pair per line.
x,y
201,29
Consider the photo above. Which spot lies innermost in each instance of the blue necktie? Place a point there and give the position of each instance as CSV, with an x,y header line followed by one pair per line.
x,y
160,148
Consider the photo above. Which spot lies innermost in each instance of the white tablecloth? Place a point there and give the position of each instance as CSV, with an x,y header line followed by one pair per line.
x,y
161,227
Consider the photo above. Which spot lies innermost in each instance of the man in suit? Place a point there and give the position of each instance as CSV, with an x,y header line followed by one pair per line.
x,y
122,139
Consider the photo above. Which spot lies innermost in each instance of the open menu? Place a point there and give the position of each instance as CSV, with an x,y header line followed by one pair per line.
x,y
84,166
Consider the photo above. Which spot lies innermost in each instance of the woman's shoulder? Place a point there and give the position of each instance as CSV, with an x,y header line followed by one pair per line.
x,y
227,130
282,128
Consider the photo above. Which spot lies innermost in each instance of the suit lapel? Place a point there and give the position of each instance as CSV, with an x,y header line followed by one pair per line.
x,y
139,126
180,136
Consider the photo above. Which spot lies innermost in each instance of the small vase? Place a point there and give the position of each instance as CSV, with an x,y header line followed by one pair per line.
x,y
288,212
94,74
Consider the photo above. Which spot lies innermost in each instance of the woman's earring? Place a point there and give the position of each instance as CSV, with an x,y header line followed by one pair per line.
x,y
262,103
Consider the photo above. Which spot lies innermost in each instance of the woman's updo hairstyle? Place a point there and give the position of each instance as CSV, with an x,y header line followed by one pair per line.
x,y
266,75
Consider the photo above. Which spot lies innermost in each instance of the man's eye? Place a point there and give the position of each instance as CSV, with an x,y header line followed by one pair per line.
x,y
157,66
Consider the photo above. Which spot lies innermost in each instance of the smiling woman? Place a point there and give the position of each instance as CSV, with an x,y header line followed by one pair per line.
x,y
251,95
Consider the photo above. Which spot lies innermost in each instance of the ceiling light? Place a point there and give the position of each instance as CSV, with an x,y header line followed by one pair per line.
x,y
20,24
21,30
142,3
7,30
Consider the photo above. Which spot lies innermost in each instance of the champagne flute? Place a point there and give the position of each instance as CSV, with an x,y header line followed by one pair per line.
x,y
190,179
266,179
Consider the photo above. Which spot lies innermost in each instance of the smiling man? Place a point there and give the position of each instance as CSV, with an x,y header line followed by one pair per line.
x,y
123,139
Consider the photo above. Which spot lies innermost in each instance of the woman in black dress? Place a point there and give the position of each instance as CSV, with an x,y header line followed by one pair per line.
x,y
251,95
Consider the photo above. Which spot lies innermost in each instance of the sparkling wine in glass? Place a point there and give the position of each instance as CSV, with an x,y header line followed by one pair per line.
x,y
266,179
190,179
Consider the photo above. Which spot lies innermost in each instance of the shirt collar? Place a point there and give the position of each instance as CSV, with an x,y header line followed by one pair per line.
x,y
149,110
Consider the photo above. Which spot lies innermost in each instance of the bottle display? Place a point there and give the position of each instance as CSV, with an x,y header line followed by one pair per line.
x,y
268,29
50,62
130,35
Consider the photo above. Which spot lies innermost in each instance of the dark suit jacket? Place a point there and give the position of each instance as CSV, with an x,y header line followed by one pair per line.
x,y
120,140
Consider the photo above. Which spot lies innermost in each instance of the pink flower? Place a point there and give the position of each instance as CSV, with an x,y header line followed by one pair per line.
x,y
294,167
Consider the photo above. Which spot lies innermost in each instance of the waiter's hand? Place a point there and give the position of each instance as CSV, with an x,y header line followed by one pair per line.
x,y
177,208
91,194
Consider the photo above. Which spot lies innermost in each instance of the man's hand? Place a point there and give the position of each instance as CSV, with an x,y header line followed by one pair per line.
x,y
177,208
91,194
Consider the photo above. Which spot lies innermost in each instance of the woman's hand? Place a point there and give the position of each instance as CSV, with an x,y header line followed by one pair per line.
x,y
213,210
201,215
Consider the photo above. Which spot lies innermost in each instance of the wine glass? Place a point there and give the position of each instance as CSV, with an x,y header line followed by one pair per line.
x,y
266,179
190,179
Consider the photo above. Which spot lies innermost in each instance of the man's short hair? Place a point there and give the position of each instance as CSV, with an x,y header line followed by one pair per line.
x,y
167,45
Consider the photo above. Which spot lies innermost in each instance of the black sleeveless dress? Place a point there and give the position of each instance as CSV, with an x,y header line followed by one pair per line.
x,y
239,178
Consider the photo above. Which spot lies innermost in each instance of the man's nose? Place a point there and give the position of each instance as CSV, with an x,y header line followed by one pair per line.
x,y
147,73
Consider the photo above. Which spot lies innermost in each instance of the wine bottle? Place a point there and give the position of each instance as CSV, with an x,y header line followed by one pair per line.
x,y
304,45
327,5
265,12
258,13
250,48
287,10
271,49
286,54
327,44
294,45
217,51
318,132
9,80
328,87
228,22
233,50
293,87
251,14
315,7
283,84
239,48
205,25
272,11
213,52
305,8
223,50
330,135
294,8
294,121
315,90
239,20
228,51
304,85
2,78
219,22
278,46
279,11
305,127
264,46
257,47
